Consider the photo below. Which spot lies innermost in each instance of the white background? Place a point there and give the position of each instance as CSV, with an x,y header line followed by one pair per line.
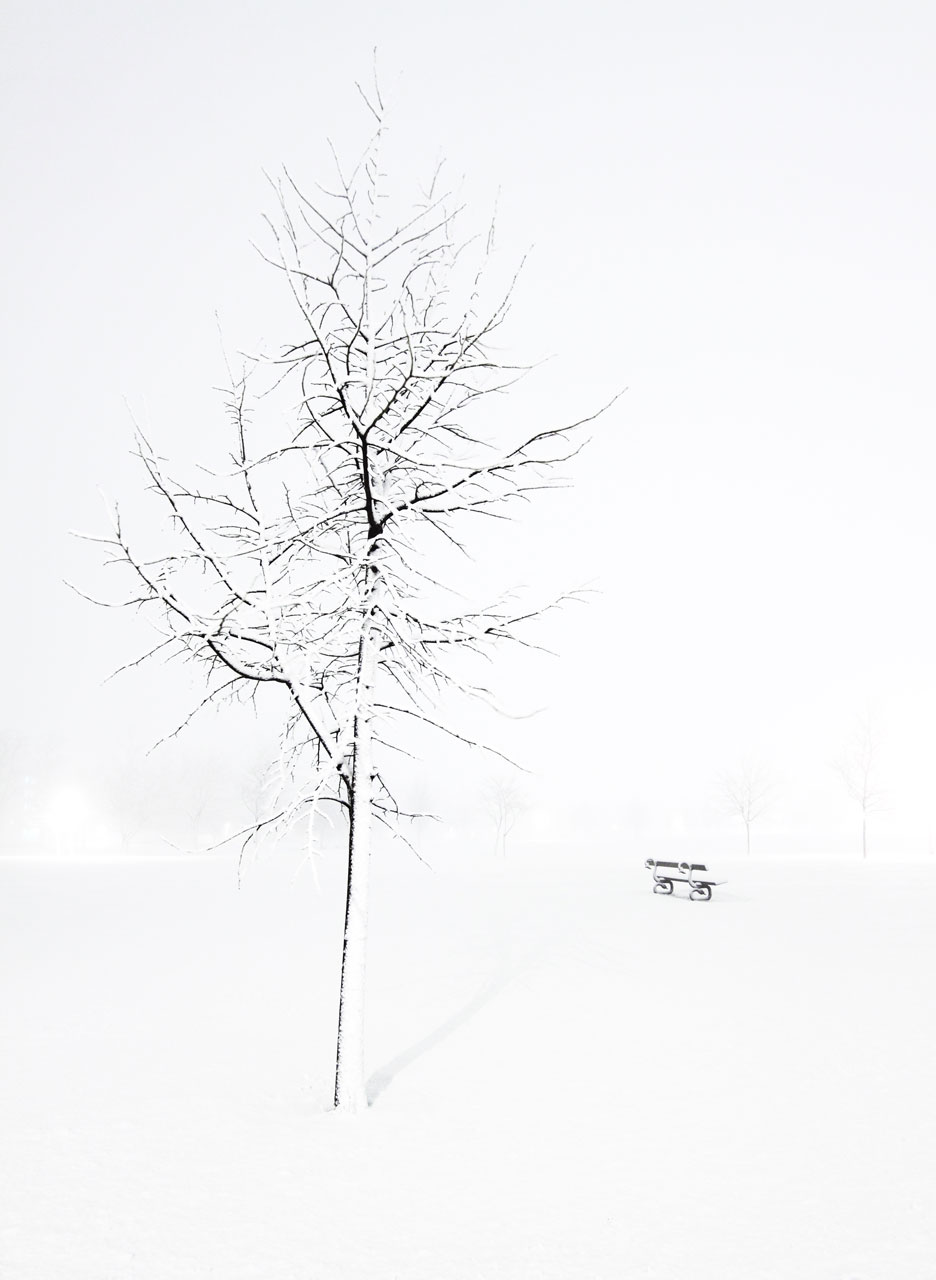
x,y
730,209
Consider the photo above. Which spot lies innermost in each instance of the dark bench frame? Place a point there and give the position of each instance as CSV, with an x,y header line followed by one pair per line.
x,y
693,874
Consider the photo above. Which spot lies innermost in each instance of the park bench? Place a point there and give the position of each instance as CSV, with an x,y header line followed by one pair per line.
x,y
666,875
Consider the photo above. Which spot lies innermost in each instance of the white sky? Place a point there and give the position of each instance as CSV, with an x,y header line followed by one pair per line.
x,y
731,209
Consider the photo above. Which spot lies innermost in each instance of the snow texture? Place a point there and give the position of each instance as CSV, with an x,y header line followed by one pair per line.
x,y
569,1076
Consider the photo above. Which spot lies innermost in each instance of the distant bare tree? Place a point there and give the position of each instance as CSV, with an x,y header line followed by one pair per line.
x,y
201,790
746,794
24,779
857,767
505,802
255,783
127,790
313,560
10,755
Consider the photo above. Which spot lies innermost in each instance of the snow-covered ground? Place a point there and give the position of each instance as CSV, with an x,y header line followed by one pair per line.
x,y
570,1076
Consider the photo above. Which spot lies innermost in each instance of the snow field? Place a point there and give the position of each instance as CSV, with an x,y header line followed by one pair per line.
x,y
570,1077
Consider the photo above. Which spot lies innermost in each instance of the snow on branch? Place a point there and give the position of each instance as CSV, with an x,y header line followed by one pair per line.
x,y
307,562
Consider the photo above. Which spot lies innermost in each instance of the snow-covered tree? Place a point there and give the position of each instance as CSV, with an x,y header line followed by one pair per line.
x,y
312,561
857,766
745,794
505,802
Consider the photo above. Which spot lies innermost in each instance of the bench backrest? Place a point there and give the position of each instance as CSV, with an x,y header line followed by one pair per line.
x,y
685,868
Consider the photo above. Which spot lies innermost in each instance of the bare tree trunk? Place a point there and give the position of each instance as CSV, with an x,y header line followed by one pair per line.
x,y
350,1091
864,836
747,829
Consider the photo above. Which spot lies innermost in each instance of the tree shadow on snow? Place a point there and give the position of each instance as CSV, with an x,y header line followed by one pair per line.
x,y
384,1077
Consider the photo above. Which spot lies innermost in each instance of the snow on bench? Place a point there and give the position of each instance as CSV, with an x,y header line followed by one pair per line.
x,y
694,874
